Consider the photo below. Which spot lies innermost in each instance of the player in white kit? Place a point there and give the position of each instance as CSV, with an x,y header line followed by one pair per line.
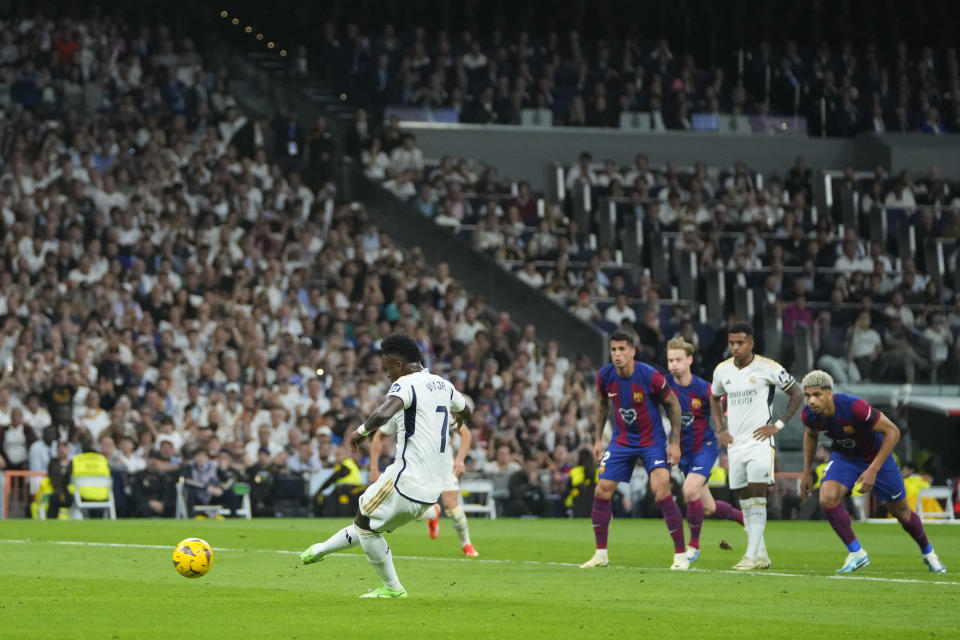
x,y
749,382
450,498
413,483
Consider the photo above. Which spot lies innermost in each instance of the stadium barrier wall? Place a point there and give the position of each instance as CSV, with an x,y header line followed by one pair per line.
x,y
525,153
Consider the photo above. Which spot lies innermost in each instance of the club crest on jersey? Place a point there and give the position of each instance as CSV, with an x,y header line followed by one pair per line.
x,y
696,403
638,396
629,415
848,429
753,379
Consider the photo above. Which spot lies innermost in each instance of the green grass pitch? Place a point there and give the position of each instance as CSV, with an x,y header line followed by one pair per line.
x,y
121,583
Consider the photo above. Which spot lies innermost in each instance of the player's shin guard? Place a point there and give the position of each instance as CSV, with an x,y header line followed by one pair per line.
x,y
378,554
725,511
746,507
601,515
673,518
914,526
756,524
840,521
460,524
695,520
347,537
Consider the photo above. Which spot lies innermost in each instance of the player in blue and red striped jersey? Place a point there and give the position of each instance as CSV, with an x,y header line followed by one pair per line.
x,y
698,444
634,389
863,442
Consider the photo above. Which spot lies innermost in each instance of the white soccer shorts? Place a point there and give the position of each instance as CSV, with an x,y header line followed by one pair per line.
x,y
751,465
450,481
386,508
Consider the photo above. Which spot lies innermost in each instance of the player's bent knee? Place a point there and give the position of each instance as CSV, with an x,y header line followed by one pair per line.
x,y
605,489
362,522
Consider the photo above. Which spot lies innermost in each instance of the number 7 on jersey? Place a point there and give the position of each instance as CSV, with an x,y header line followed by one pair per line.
x,y
443,429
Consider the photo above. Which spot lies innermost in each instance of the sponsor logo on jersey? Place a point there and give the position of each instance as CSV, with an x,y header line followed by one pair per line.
x,y
395,388
629,415
696,403
612,395
638,396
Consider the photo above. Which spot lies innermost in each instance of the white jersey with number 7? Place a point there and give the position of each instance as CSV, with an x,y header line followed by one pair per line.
x,y
422,463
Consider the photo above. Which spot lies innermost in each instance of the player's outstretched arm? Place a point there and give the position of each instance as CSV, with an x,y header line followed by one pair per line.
x,y
377,419
891,435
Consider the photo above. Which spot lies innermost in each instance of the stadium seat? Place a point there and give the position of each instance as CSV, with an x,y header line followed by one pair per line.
x,y
241,489
92,482
474,487
937,493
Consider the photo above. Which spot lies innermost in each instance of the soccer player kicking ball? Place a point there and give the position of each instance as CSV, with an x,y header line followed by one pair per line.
x,y
412,484
634,388
748,381
698,444
863,442
451,484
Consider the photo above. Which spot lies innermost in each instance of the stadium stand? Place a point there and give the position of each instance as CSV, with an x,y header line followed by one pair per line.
x,y
735,71
183,272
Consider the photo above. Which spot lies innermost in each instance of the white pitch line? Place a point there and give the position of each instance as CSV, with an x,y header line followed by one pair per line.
x,y
494,561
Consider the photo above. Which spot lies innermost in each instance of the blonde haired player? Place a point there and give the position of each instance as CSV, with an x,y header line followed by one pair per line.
x,y
413,483
749,381
698,444
450,498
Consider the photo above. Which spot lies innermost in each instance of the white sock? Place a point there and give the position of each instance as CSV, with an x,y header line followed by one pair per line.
x,y
758,523
343,539
602,554
378,553
432,513
460,524
746,507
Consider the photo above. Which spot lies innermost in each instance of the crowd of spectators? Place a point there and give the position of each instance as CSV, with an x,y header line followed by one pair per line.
x,y
492,76
760,231
175,297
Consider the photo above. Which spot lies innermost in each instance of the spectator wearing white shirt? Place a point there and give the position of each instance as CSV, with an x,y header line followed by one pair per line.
x,y
407,158
107,197
529,275
901,197
581,172
469,325
620,311
898,309
848,262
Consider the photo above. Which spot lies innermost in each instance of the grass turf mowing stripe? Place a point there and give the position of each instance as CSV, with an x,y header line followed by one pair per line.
x,y
492,561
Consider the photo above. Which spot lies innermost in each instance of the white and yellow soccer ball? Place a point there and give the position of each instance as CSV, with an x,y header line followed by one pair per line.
x,y
192,557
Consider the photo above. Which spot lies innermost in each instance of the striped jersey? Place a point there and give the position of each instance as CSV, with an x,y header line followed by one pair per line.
x,y
850,427
695,407
635,416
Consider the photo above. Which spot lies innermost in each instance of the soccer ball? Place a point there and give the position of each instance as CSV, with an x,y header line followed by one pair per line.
x,y
192,557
